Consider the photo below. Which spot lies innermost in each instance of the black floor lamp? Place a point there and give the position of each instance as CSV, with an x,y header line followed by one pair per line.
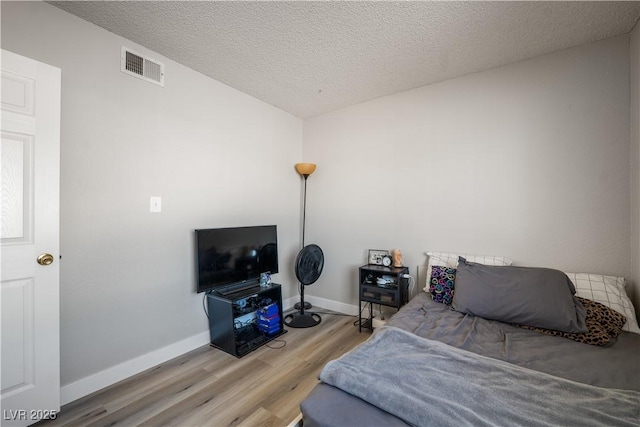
x,y
308,267
304,169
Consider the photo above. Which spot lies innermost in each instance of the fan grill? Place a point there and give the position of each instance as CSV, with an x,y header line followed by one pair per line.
x,y
309,264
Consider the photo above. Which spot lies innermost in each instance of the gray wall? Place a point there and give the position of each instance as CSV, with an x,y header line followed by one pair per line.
x,y
529,161
216,156
635,163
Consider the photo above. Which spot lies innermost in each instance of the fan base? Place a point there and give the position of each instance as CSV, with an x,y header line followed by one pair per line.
x,y
307,306
298,320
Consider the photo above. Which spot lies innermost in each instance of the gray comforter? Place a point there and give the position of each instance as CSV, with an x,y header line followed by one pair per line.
x,y
616,366
424,387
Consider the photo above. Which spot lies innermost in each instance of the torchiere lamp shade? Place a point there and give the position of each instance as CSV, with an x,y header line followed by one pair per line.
x,y
305,169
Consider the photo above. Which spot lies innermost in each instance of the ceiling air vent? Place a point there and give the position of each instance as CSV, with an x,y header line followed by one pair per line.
x,y
140,66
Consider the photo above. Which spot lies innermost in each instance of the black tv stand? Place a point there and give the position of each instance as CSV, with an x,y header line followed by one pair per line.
x,y
233,323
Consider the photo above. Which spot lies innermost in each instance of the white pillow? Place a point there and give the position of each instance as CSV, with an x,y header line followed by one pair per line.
x,y
446,259
607,290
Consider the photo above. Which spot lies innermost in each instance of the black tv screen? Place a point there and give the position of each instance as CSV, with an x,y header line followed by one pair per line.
x,y
235,256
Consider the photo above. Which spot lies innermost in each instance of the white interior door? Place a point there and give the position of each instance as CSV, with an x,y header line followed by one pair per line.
x,y
29,297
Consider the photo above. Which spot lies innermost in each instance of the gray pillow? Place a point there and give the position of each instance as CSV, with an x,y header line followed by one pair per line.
x,y
539,297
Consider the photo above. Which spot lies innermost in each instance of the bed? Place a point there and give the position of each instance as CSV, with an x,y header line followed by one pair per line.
x,y
432,364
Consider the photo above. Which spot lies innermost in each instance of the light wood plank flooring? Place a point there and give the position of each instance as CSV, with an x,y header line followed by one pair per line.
x,y
208,387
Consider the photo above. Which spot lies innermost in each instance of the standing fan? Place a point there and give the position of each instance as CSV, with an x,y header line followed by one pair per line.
x,y
309,264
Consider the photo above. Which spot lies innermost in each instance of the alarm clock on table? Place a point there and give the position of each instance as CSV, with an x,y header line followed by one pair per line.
x,y
380,257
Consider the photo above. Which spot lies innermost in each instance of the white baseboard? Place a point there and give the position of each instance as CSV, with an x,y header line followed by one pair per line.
x,y
340,307
288,303
322,303
109,376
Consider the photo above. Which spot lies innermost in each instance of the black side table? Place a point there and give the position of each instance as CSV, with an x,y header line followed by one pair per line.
x,y
382,285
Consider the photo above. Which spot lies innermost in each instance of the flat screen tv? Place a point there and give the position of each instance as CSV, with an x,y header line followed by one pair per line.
x,y
229,258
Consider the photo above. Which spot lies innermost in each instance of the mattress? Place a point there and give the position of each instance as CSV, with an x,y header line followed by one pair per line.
x,y
615,366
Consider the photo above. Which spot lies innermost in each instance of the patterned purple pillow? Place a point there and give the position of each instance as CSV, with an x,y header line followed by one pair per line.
x,y
442,283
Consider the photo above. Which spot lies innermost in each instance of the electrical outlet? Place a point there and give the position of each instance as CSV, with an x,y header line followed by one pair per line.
x,y
155,205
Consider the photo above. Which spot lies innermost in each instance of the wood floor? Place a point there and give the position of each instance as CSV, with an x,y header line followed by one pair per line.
x,y
208,387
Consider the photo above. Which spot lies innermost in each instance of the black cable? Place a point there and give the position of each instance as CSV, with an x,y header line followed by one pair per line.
x,y
269,341
358,321
276,340
204,306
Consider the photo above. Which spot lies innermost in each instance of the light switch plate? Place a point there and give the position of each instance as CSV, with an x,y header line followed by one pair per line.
x,y
155,205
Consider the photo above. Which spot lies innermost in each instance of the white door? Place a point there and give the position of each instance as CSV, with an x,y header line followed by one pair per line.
x,y
29,297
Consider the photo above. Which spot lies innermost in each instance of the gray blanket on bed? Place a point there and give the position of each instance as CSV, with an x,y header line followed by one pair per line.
x,y
428,383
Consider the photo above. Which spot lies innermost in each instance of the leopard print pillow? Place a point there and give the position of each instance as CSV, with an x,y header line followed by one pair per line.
x,y
604,324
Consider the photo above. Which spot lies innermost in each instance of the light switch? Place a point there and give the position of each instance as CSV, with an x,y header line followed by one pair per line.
x,y
155,204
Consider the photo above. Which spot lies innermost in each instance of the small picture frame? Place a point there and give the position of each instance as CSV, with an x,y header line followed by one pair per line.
x,y
376,256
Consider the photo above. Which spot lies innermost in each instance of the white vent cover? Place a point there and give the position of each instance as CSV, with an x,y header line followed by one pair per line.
x,y
140,66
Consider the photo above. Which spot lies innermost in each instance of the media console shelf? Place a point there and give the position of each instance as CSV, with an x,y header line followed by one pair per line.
x,y
243,321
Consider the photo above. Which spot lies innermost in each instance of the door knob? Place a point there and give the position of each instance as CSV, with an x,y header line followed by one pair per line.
x,y
45,259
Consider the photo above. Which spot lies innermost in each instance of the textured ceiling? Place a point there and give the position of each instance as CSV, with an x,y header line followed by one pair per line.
x,y
308,58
